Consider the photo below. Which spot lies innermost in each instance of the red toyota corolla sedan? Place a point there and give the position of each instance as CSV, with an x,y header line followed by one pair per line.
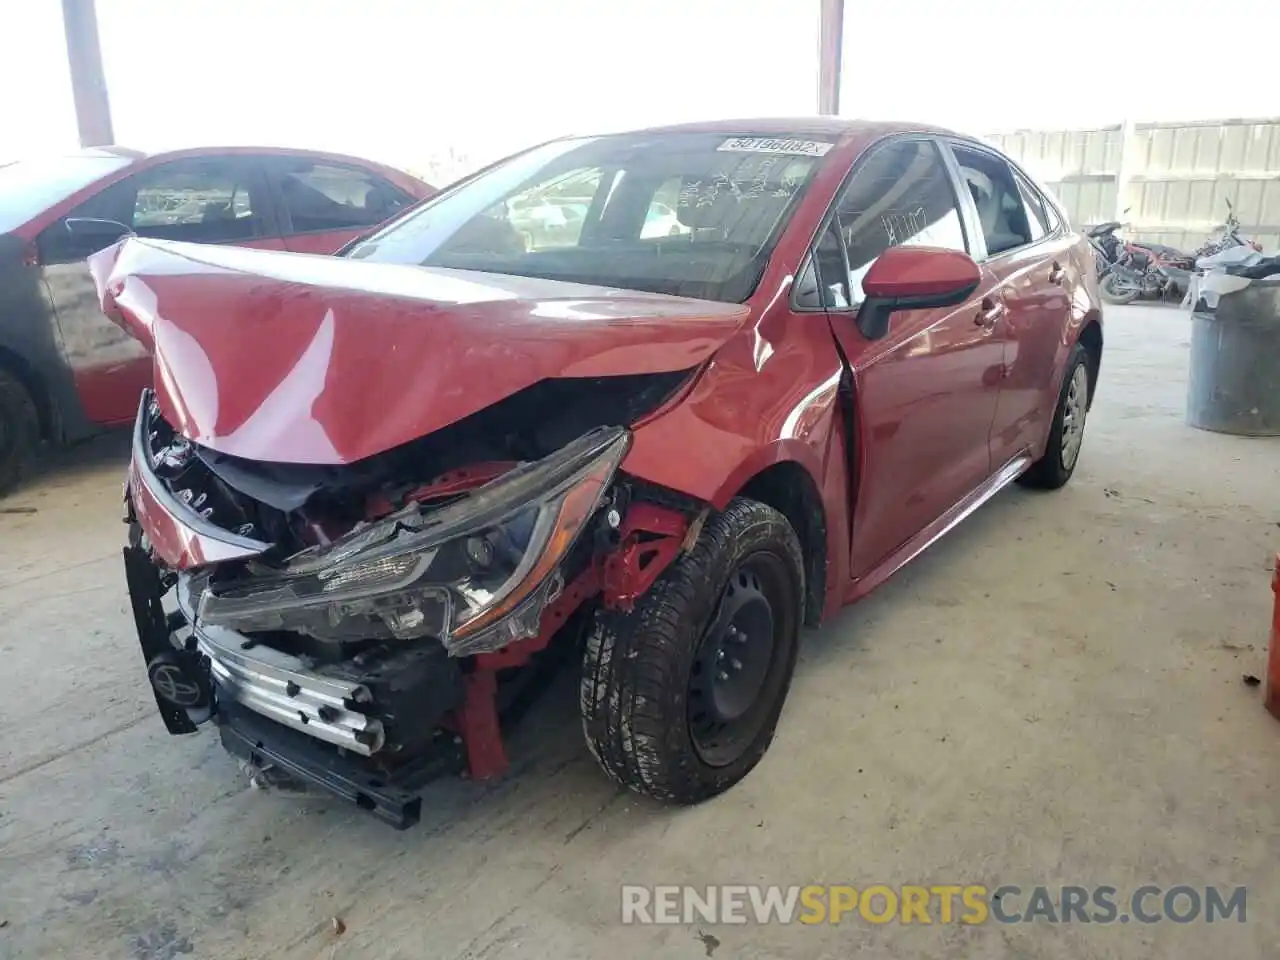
x,y
377,491
64,370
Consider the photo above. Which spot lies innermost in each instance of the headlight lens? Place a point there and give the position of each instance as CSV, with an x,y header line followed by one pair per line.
x,y
476,574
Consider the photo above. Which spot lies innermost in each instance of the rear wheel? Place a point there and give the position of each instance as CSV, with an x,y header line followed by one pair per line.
x,y
1066,434
19,430
680,697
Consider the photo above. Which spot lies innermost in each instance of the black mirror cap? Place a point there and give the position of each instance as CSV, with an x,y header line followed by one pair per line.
x,y
874,314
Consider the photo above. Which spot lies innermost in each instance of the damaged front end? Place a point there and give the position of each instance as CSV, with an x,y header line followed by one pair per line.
x,y
350,626
354,544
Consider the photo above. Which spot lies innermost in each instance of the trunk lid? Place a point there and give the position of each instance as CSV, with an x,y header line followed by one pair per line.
x,y
303,359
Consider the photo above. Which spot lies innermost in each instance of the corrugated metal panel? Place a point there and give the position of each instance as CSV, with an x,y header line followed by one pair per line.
x,y
1181,176
1087,201
1056,155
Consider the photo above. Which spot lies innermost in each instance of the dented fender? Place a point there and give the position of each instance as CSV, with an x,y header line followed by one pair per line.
x,y
730,427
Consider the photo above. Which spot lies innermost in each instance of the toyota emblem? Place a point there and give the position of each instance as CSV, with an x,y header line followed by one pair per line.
x,y
172,684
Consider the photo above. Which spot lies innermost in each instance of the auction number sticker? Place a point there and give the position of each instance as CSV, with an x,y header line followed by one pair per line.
x,y
790,148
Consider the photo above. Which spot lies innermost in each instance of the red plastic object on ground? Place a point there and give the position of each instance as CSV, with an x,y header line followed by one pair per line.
x,y
1273,655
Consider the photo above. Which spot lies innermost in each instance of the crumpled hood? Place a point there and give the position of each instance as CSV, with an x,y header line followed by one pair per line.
x,y
304,359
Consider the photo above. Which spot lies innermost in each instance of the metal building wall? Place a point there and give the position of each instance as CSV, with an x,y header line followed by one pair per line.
x,y
1174,178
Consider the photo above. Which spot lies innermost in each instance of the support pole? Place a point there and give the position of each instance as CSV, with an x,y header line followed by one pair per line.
x,y
830,44
88,83
1124,176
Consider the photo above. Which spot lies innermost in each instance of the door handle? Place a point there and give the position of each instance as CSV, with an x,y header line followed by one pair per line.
x,y
991,312
1056,273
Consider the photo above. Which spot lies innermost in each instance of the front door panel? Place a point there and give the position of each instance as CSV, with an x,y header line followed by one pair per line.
x,y
925,393
110,368
213,199
925,397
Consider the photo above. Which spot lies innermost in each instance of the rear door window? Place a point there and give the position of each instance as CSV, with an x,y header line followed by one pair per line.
x,y
1003,213
323,196
1038,219
1052,208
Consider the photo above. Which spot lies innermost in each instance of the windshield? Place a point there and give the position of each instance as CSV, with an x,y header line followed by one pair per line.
x,y
29,187
690,214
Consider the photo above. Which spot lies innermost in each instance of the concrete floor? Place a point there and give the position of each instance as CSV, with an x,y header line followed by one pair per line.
x,y
1051,695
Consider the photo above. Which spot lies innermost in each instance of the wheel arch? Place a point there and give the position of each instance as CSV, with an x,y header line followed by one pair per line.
x,y
46,410
791,488
1091,339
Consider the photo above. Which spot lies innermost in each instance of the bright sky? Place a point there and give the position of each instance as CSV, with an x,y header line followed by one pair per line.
x,y
406,81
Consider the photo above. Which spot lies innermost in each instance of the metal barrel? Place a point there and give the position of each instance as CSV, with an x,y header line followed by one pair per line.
x,y
1234,382
1273,653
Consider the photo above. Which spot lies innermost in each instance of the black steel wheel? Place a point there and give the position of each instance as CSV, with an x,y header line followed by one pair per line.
x,y
728,699
681,696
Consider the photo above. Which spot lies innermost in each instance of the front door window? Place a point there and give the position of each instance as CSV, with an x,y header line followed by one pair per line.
x,y
901,195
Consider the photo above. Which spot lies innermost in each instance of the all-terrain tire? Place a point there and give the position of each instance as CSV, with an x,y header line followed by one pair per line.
x,y
638,666
19,430
1055,468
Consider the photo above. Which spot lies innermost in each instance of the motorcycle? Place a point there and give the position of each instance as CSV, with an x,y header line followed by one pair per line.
x,y
1150,271
1155,271
1107,247
1230,238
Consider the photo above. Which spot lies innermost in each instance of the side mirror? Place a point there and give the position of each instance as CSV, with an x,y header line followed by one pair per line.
x,y
91,234
914,278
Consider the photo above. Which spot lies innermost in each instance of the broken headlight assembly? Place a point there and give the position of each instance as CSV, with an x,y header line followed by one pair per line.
x,y
475,573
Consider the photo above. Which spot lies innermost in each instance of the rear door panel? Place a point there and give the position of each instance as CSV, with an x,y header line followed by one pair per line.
x,y
1037,318
1030,281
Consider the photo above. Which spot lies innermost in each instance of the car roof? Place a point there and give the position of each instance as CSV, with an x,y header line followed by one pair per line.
x,y
408,182
271,151
840,127
129,153
104,152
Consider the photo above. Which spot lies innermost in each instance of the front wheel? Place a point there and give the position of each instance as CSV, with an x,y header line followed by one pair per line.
x,y
1118,289
1066,433
19,430
681,696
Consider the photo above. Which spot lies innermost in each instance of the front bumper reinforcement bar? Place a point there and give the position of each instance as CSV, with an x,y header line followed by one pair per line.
x,y
394,798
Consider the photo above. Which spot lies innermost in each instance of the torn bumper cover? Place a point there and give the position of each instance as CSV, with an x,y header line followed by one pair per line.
x,y
273,711
263,645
